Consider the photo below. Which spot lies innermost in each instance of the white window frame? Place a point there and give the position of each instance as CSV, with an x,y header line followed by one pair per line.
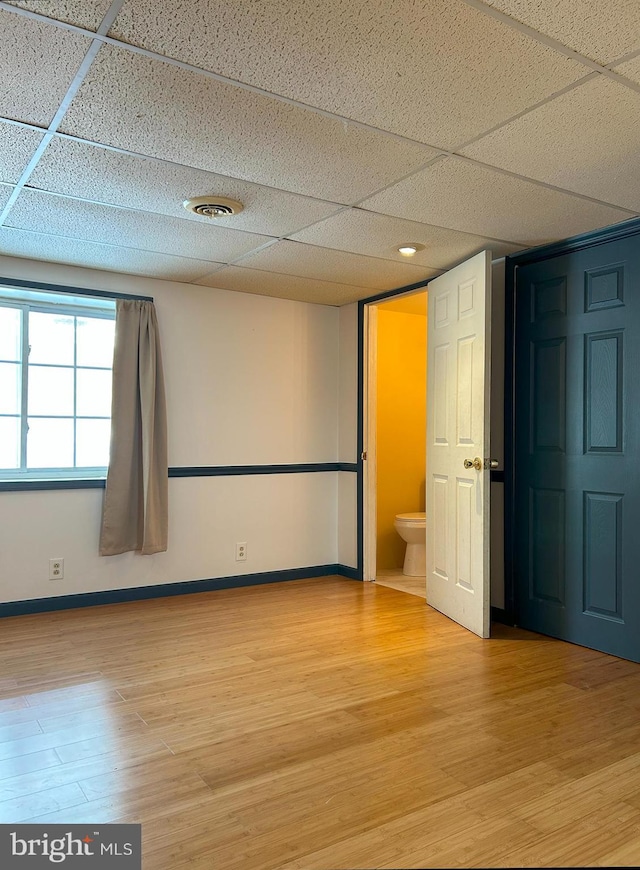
x,y
50,302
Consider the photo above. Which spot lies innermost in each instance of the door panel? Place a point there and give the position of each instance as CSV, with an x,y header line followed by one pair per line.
x,y
458,429
578,447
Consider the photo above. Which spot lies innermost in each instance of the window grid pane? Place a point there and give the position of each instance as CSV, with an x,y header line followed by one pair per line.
x,y
9,442
55,417
10,329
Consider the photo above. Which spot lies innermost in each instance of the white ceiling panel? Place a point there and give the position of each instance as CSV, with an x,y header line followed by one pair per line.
x,y
82,13
602,31
477,199
37,64
379,235
284,286
154,108
309,261
630,69
419,69
328,121
17,146
58,215
86,171
587,140
38,246
5,193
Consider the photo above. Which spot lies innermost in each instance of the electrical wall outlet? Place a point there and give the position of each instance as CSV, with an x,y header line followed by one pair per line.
x,y
241,551
56,569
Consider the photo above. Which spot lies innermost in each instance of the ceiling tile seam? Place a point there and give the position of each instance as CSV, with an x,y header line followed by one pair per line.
x,y
72,90
140,156
43,19
218,77
437,159
556,45
619,79
476,4
270,240
534,107
253,89
100,38
26,125
450,229
26,172
133,208
109,17
357,203
632,55
181,217
300,277
321,248
544,184
534,34
51,235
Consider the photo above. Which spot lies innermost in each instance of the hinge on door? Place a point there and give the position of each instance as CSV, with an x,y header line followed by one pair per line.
x,y
363,455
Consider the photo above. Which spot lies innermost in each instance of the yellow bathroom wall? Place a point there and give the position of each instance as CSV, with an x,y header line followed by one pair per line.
x,y
401,425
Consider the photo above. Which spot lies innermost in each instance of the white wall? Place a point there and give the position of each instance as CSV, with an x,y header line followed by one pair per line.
x,y
250,380
348,434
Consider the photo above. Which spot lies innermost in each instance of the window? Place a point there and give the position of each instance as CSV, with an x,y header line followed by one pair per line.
x,y
56,356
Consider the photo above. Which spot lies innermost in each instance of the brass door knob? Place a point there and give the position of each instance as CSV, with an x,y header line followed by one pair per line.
x,y
474,463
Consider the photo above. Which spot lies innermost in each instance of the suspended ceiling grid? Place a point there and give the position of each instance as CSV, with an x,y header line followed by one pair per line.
x,y
345,129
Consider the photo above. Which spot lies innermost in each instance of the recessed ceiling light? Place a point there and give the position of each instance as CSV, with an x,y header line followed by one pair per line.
x,y
213,206
408,249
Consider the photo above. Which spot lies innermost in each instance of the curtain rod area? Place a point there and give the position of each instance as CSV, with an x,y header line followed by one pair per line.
x,y
72,291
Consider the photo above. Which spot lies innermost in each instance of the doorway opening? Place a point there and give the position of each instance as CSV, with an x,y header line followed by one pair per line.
x,y
396,437
470,489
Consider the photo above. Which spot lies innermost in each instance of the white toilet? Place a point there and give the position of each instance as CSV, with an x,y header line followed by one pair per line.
x,y
412,529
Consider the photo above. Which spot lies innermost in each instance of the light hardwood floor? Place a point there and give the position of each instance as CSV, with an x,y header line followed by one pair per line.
x,y
316,725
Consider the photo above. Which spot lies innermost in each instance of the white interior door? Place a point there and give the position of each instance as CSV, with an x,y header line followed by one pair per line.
x,y
458,385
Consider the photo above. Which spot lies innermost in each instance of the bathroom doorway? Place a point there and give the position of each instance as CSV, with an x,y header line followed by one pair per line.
x,y
396,388
502,609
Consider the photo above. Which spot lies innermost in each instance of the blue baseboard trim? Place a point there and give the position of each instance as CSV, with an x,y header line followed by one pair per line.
x,y
166,590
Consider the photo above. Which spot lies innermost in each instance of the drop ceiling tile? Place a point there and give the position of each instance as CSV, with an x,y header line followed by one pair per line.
x,y
600,31
586,141
54,249
309,261
35,210
284,286
17,145
475,199
378,235
83,170
87,14
5,193
630,69
437,72
151,107
37,64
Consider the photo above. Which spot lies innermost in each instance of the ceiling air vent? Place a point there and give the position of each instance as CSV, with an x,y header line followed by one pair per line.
x,y
213,206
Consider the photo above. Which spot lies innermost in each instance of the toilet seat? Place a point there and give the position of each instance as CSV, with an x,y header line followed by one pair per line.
x,y
412,519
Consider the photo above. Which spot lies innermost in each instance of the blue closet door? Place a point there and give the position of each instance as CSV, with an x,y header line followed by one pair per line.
x,y
577,447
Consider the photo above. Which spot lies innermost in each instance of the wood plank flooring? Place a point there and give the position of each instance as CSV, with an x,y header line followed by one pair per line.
x,y
319,725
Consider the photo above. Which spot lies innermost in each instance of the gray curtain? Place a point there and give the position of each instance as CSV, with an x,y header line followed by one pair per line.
x,y
135,510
